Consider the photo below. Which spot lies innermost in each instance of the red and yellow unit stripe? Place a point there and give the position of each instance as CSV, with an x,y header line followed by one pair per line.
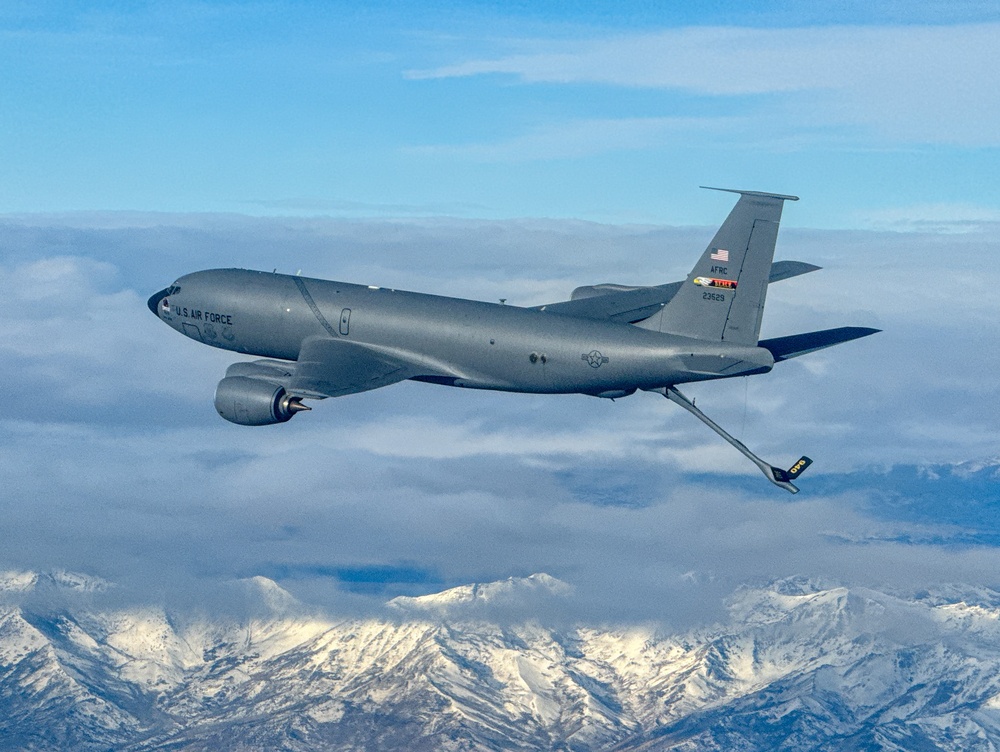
x,y
728,284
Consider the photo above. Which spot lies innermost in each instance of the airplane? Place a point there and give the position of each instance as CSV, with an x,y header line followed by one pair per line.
x,y
322,339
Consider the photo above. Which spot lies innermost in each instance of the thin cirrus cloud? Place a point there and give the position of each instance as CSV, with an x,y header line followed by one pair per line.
x,y
906,84
940,217
584,138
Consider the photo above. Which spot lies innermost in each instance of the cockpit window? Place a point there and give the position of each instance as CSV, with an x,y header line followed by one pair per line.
x,y
173,290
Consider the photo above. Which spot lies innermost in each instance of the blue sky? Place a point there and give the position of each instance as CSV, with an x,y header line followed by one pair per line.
x,y
498,151
874,113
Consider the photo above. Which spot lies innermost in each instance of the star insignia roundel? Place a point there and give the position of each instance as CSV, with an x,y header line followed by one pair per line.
x,y
595,359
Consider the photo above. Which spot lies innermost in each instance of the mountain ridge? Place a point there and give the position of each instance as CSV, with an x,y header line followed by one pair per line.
x,y
796,662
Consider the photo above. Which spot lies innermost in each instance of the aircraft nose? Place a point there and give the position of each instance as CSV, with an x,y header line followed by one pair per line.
x,y
154,301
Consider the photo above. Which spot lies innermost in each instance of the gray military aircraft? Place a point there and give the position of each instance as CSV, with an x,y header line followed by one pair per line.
x,y
328,339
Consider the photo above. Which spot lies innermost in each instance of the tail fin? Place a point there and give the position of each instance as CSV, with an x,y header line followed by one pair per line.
x,y
723,298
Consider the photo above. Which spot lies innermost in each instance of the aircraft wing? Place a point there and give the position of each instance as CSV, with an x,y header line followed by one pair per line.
x,y
335,367
330,367
610,302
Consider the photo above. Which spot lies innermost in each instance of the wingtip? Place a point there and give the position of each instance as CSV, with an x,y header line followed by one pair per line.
x,y
863,331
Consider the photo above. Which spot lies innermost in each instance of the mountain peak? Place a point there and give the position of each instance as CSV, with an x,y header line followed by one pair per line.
x,y
971,467
510,592
13,581
271,593
76,581
25,581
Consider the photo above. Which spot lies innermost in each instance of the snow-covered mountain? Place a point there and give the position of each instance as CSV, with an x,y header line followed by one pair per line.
x,y
796,666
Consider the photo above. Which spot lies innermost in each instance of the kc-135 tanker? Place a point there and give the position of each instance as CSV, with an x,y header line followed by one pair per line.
x,y
323,339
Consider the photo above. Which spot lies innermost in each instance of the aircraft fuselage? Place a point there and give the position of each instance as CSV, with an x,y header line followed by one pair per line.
x,y
463,343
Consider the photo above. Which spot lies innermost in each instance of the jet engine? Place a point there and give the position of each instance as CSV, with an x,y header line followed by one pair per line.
x,y
254,402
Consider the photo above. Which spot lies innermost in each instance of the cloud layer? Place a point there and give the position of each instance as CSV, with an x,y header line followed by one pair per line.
x,y
113,461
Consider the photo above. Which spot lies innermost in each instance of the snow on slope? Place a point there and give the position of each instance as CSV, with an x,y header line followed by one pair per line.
x,y
512,591
797,666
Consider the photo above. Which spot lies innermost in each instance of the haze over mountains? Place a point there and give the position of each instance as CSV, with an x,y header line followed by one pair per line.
x,y
796,662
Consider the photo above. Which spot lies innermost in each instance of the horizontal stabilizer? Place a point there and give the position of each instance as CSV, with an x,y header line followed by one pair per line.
x,y
783,348
787,269
758,194
605,303
605,288
627,304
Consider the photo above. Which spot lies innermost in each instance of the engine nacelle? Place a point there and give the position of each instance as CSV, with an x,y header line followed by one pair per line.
x,y
254,402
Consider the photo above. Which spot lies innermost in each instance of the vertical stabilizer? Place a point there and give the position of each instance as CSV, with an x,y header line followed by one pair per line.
x,y
723,297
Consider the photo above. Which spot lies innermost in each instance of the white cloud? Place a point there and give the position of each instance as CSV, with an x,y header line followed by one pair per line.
x,y
938,217
147,510
476,485
583,138
74,339
908,84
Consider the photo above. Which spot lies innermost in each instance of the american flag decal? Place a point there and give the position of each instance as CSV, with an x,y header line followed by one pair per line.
x,y
720,254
